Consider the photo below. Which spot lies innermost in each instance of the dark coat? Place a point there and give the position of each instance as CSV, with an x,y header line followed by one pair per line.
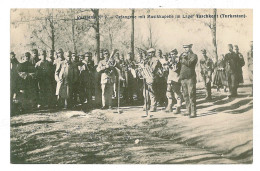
x,y
188,66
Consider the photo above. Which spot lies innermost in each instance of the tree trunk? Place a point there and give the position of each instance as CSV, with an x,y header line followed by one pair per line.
x,y
133,35
96,27
73,34
52,35
214,34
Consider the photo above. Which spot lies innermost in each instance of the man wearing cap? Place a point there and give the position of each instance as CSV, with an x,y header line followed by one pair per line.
x,y
250,64
241,63
14,75
173,67
64,77
43,72
206,70
107,70
154,65
74,79
188,79
161,83
232,65
27,77
35,56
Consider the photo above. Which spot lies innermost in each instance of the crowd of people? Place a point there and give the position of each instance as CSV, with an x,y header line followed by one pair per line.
x,y
152,78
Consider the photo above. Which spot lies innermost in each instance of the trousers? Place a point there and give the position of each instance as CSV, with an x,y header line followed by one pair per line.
x,y
189,94
107,92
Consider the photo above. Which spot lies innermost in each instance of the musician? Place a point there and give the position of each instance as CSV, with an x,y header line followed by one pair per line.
x,y
154,65
206,70
173,83
188,79
107,71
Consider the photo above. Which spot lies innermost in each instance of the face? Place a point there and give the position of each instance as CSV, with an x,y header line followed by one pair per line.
x,y
186,49
68,57
73,58
12,56
26,58
106,55
237,50
87,56
230,49
35,54
81,58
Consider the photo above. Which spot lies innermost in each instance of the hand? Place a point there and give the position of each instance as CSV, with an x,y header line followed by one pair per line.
x,y
107,66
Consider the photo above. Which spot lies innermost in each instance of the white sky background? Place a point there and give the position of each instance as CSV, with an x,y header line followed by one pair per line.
x,y
173,33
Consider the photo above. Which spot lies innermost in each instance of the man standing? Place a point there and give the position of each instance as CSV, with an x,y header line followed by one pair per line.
x,y
206,70
63,76
27,77
241,64
153,65
232,63
14,75
173,84
107,79
161,84
43,72
250,64
35,57
74,79
188,79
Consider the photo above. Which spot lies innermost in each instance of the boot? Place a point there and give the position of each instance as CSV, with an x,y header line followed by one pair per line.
x,y
178,110
153,109
169,108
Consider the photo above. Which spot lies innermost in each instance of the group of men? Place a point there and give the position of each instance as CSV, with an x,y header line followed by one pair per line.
x,y
67,79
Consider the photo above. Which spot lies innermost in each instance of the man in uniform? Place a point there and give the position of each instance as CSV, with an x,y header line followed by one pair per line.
x,y
43,72
206,70
107,79
250,64
14,75
188,79
35,56
241,64
27,77
173,84
232,65
154,65
75,79
161,83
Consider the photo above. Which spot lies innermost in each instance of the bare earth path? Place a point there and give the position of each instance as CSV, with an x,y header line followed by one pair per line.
x,y
222,133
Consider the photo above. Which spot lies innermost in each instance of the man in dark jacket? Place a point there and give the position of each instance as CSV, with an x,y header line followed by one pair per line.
x,y
241,64
188,79
232,62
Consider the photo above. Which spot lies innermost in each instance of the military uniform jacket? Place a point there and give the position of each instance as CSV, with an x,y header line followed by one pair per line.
x,y
154,65
188,66
232,63
250,60
43,70
107,74
174,69
206,68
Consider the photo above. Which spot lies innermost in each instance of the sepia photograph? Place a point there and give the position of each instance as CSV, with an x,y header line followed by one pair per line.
x,y
131,86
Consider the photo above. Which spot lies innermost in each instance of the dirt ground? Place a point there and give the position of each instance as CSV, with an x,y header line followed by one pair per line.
x,y
222,133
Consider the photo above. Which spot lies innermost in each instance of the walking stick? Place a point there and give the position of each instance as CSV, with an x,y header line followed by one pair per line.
x,y
145,97
118,96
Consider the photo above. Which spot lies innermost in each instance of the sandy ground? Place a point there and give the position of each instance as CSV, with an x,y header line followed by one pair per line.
x,y
222,133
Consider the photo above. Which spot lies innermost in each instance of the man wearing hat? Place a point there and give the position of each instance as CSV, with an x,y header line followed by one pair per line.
x,y
232,63
206,70
154,65
241,64
107,70
188,79
250,64
44,72
173,83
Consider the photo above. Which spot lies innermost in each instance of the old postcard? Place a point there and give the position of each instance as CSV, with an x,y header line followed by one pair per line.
x,y
131,86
